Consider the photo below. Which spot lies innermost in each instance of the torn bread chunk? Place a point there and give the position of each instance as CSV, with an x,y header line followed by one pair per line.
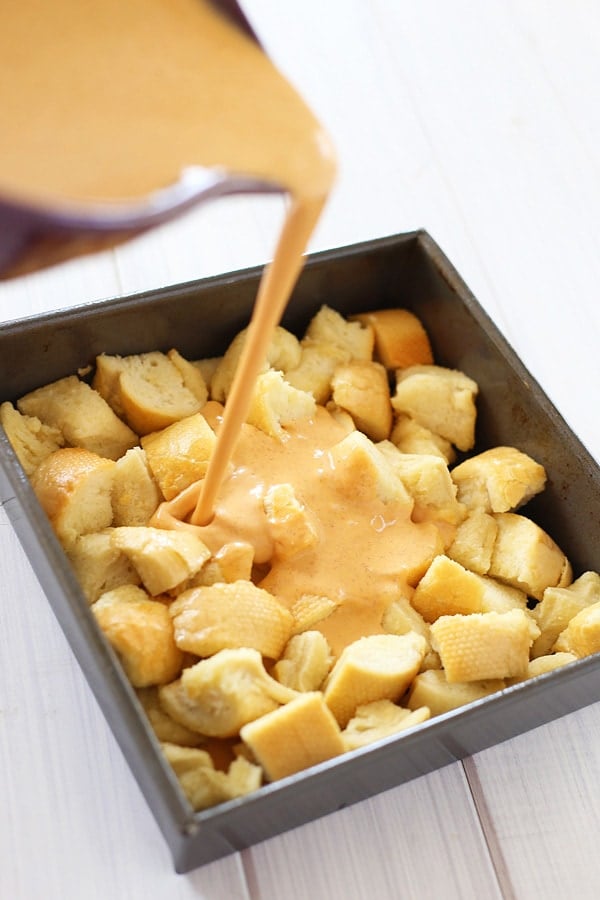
x,y
410,437
191,375
163,559
361,387
203,784
164,727
283,353
582,634
31,440
232,562
474,541
559,605
74,488
526,557
178,455
100,566
440,399
544,664
432,689
310,609
427,480
218,695
354,338
498,480
357,461
305,662
226,616
135,493
140,631
314,372
380,719
378,667
275,404
484,646
290,525
81,415
400,338
147,390
278,740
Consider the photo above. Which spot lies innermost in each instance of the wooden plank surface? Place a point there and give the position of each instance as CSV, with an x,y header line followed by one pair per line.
x,y
481,123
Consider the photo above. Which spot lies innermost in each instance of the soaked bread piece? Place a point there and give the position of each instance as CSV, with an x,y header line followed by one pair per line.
x,y
163,559
283,354
81,415
31,440
305,662
135,493
499,480
559,605
99,565
178,455
203,784
432,690
361,387
380,719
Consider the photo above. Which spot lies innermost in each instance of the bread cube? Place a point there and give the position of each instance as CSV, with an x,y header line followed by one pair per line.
x,y
582,634
163,559
527,558
179,454
164,727
140,631
100,566
442,400
290,525
377,667
361,388
81,415
278,740
474,541
365,470
283,353
191,375
380,719
432,690
74,488
203,784
484,646
305,662
354,338
314,372
559,605
31,440
135,493
147,390
400,338
275,404
544,664
225,616
499,480
218,695
427,480
410,437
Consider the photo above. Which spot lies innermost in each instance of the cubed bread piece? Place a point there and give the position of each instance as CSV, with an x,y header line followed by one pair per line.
x,y
310,609
294,737
140,631
191,375
400,338
179,454
218,695
432,690
364,469
283,353
305,662
31,440
559,605
380,719
135,494
483,646
410,437
544,664
401,617
474,541
498,480
427,480
232,562
361,387
354,338
446,589
582,634
377,667
164,727
100,566
203,784
526,557
225,616
74,488
207,368
315,369
442,400
83,417
148,390
275,404
163,559
290,524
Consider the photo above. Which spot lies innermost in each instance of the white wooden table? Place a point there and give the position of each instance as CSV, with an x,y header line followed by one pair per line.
x,y
479,121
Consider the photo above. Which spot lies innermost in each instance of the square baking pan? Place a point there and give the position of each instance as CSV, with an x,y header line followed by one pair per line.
x,y
199,319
